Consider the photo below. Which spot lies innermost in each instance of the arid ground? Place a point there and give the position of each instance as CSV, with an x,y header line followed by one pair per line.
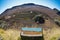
x,y
12,34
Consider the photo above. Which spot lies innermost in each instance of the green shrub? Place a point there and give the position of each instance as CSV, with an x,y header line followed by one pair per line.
x,y
19,38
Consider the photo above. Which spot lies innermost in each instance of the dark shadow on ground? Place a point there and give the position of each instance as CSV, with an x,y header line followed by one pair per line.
x,y
32,38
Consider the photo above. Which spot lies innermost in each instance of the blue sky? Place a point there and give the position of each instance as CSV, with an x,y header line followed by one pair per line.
x,y
5,4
